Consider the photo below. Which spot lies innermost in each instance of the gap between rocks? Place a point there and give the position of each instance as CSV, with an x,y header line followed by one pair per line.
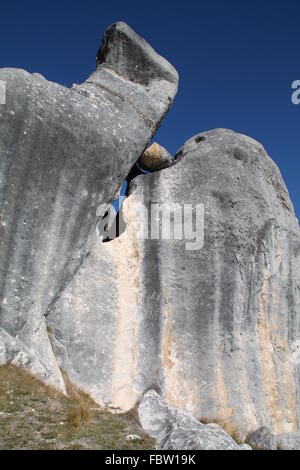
x,y
154,159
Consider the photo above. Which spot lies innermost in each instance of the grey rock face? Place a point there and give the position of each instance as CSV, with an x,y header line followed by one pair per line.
x,y
262,439
175,429
62,153
224,317
133,59
288,441
95,324
14,351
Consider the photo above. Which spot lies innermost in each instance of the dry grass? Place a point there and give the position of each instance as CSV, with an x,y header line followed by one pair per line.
x,y
36,416
79,415
81,412
49,332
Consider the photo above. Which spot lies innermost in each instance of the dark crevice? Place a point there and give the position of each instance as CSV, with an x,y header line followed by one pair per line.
x,y
111,229
199,138
118,226
178,155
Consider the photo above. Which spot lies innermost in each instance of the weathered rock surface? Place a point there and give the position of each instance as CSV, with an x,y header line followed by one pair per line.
x,y
210,321
262,439
95,324
155,158
202,306
14,351
288,441
177,430
62,153
224,316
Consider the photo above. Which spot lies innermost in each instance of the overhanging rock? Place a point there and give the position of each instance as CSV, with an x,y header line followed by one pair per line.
x,y
63,152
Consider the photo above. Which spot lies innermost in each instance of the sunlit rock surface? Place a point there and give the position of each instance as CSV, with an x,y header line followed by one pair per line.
x,y
62,153
202,306
226,315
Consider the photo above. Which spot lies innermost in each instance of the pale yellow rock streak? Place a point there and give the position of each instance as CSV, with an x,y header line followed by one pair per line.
x,y
124,252
249,406
224,412
221,396
278,381
180,389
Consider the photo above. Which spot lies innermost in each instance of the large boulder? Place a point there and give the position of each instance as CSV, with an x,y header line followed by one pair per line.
x,y
62,153
220,303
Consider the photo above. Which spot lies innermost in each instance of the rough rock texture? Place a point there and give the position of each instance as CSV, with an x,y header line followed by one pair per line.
x,y
177,430
262,439
14,351
224,318
155,158
62,153
288,441
95,325
213,327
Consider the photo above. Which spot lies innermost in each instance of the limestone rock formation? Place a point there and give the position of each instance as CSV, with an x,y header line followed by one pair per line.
x,y
155,158
211,318
62,153
224,316
177,430
198,298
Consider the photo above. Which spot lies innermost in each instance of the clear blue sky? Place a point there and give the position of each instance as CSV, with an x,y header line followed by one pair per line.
x,y
236,61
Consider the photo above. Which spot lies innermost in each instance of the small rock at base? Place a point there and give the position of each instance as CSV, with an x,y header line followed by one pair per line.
x,y
262,439
245,447
133,437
